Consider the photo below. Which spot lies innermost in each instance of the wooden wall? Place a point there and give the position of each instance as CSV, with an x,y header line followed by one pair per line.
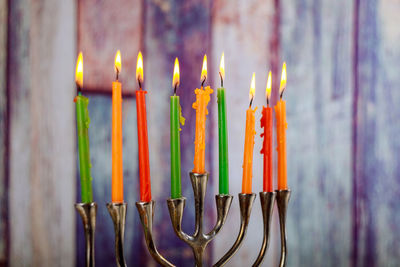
x,y
342,97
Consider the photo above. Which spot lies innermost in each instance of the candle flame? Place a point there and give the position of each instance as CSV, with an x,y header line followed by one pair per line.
x,y
222,67
269,85
203,76
175,78
252,87
118,62
139,68
79,71
283,80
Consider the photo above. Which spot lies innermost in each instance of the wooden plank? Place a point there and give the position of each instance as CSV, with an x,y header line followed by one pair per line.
x,y
244,31
4,233
377,150
316,43
103,28
41,89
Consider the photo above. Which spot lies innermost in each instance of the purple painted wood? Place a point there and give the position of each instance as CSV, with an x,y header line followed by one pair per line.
x,y
376,235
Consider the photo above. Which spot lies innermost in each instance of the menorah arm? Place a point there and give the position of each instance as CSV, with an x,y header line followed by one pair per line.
x,y
223,203
175,207
246,203
146,213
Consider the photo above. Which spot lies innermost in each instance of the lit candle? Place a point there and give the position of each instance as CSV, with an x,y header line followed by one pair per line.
x,y
281,126
249,142
176,119
222,134
202,99
117,187
266,122
82,126
143,143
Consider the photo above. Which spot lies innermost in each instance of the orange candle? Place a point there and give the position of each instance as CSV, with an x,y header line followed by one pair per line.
x,y
281,126
116,141
249,142
202,99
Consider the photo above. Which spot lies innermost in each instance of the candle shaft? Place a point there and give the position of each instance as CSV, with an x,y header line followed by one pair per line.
x,y
248,152
281,126
223,143
143,144
175,148
117,187
202,99
83,120
266,123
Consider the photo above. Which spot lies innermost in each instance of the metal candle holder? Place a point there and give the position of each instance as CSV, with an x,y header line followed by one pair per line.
x,y
246,203
118,215
198,241
267,200
88,214
282,201
146,213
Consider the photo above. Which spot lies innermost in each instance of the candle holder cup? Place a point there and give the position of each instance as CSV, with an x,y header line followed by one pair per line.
x,y
246,204
118,215
88,212
199,240
267,200
282,201
146,213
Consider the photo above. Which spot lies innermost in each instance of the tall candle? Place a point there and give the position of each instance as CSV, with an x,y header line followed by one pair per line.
x,y
249,142
281,126
82,126
117,187
266,123
176,119
202,99
222,134
143,144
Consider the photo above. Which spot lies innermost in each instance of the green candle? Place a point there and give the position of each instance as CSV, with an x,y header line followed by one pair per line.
x,y
222,135
82,123
176,119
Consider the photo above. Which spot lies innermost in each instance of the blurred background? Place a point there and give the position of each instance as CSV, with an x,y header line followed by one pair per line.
x,y
343,95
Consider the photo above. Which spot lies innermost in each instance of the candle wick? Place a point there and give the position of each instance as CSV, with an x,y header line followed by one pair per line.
x,y
281,94
222,80
140,83
267,101
78,88
117,74
251,102
202,83
175,88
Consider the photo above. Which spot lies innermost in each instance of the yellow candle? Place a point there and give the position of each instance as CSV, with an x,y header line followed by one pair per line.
x,y
281,126
202,99
249,142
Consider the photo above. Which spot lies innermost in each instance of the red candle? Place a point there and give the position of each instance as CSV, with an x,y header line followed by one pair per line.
x,y
266,122
144,167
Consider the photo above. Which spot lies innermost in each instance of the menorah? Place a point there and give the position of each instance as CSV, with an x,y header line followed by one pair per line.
x,y
199,240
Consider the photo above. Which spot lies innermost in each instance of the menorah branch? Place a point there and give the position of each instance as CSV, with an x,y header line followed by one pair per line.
x,y
88,211
246,203
146,213
118,215
282,201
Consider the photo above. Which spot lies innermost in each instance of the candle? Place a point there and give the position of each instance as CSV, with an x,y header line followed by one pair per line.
x,y
281,125
266,123
249,142
176,119
82,125
202,99
222,134
117,187
143,144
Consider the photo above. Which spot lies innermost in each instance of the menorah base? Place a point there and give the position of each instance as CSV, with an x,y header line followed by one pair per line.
x,y
118,215
88,211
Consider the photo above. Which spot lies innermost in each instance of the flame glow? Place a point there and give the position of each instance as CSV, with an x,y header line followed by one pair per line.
x,y
117,63
283,79
139,68
222,67
203,76
175,78
79,70
252,86
269,85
